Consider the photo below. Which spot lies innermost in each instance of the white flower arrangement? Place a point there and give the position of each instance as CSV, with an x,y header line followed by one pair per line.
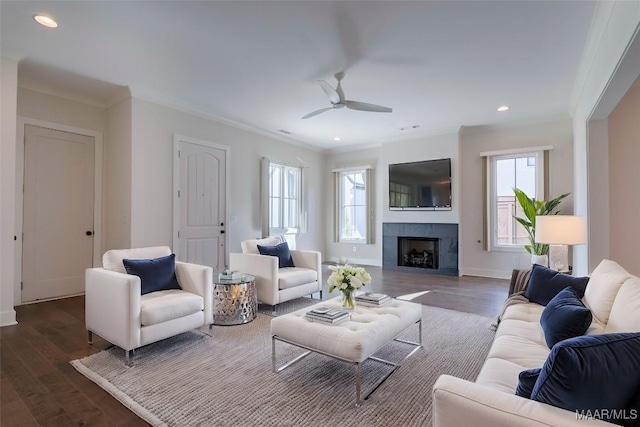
x,y
347,278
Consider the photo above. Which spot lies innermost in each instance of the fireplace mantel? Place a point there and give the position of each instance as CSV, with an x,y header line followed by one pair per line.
x,y
446,234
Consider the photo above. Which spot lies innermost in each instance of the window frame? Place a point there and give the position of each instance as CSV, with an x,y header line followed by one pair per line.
x,y
291,227
340,203
492,196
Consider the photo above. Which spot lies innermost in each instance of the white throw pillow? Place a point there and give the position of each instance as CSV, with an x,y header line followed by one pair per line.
x,y
604,284
625,313
251,246
112,259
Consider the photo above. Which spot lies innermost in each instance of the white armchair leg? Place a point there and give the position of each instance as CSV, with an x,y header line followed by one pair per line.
x,y
129,360
90,336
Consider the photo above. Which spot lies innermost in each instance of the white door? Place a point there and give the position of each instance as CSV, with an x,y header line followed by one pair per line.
x,y
202,173
58,212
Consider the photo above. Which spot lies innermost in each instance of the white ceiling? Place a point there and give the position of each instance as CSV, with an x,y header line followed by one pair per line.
x,y
439,65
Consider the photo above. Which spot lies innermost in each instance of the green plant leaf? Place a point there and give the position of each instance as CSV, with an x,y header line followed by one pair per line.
x,y
532,208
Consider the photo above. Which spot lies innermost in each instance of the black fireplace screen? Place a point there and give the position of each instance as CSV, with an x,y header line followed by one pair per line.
x,y
419,252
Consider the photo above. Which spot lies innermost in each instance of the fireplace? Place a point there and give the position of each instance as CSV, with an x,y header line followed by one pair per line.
x,y
438,240
418,252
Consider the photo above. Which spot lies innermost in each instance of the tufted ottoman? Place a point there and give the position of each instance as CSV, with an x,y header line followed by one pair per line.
x,y
352,341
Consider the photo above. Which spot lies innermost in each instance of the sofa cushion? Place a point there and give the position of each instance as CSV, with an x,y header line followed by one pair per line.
x,y
112,259
592,372
526,381
520,350
295,276
603,287
564,317
281,251
532,330
625,312
251,246
544,284
161,306
501,374
528,312
155,274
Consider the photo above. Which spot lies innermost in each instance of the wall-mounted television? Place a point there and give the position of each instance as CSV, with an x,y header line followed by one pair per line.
x,y
422,185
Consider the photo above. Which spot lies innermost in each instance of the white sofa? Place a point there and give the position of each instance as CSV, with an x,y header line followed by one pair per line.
x,y
612,295
116,310
276,285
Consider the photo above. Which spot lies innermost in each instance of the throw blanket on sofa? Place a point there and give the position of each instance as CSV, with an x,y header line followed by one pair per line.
x,y
517,288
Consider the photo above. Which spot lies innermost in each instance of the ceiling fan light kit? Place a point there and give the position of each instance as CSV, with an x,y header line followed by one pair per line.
x,y
336,96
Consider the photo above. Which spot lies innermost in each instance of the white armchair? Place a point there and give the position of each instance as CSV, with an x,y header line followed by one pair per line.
x,y
116,310
275,285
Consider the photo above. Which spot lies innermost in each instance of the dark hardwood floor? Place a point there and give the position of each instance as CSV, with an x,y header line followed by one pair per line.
x,y
38,386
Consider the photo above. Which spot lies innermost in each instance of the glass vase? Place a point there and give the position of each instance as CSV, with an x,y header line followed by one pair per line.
x,y
348,303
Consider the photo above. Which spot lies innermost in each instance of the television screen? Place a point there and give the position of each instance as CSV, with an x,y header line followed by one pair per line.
x,y
425,184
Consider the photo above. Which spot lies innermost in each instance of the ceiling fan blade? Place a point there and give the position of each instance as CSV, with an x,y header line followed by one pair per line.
x,y
330,91
315,113
363,106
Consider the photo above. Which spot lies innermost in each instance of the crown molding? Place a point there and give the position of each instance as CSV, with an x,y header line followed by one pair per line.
x,y
60,93
558,118
155,98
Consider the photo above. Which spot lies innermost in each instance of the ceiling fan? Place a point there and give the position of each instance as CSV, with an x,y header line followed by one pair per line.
x,y
336,96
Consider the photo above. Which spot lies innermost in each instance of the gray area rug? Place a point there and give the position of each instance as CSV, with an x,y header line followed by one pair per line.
x,y
287,306
226,380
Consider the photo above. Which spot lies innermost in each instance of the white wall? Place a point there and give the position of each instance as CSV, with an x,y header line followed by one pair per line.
x,y
8,114
367,254
473,141
598,183
153,127
117,177
424,148
602,79
624,177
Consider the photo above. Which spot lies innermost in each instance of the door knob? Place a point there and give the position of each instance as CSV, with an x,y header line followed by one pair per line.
x,y
89,233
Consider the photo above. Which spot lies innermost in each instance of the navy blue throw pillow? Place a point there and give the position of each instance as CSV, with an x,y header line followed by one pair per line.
x,y
526,381
597,374
155,274
281,251
545,283
565,317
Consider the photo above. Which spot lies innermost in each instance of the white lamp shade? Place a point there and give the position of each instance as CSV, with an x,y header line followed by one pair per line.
x,y
561,230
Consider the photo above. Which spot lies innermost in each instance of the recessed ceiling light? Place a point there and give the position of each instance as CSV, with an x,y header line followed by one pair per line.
x,y
337,138
46,21
503,108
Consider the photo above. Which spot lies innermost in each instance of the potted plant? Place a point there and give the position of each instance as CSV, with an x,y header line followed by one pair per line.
x,y
532,208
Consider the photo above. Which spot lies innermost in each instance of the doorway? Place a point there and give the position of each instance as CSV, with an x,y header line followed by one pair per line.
x,y
200,202
58,212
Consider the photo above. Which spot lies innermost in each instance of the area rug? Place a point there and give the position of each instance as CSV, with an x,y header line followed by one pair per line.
x,y
226,380
287,306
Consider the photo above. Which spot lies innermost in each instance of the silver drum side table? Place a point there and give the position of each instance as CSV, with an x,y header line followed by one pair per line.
x,y
235,301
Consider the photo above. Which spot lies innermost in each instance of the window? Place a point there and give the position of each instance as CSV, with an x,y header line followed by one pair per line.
x,y
353,210
506,171
284,199
282,204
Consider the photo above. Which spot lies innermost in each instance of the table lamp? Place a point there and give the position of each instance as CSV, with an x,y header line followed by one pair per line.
x,y
559,231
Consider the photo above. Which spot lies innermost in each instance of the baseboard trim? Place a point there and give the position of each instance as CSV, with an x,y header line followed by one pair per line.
x,y
481,272
8,318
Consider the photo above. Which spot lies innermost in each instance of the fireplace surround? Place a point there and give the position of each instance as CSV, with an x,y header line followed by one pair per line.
x,y
429,248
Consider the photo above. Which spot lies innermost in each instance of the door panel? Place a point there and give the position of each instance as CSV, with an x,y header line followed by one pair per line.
x,y
202,204
58,212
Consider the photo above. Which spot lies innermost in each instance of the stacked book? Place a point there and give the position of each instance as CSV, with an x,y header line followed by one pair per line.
x,y
373,299
327,315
